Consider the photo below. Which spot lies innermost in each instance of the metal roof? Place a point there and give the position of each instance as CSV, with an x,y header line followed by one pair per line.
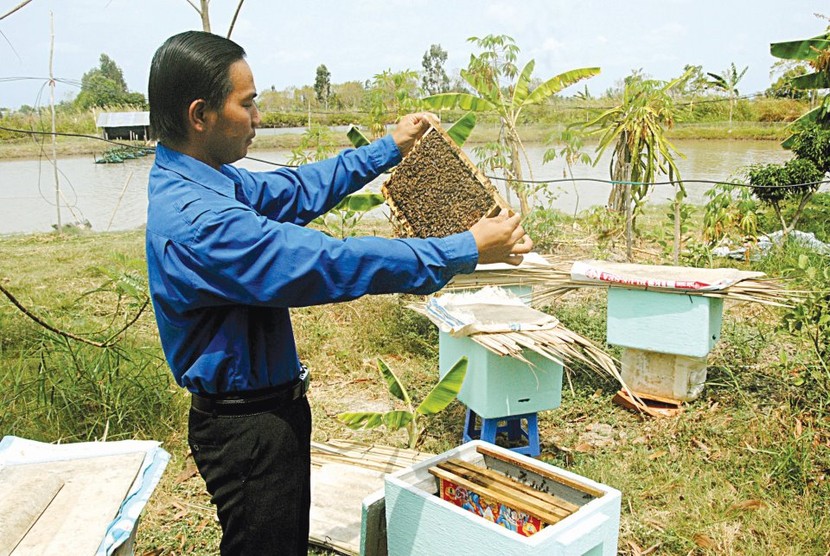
x,y
123,119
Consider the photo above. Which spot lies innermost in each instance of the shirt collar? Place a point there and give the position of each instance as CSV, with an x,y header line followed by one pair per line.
x,y
195,170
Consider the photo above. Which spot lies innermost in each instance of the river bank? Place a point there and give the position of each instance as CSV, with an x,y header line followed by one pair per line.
x,y
114,196
41,146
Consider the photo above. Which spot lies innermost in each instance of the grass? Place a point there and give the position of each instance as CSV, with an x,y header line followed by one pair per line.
x,y
743,470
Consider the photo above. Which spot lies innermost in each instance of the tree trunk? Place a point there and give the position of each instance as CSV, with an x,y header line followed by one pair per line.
x,y
205,13
511,137
676,245
629,214
621,172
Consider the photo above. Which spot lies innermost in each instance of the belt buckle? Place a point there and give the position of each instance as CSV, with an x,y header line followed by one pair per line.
x,y
301,387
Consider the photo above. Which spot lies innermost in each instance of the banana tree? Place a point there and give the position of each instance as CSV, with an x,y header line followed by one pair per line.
x,y
438,398
728,81
486,74
816,53
635,130
459,131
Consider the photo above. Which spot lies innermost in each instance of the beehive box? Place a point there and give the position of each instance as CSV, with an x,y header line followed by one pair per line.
x,y
500,386
675,323
420,522
437,191
677,377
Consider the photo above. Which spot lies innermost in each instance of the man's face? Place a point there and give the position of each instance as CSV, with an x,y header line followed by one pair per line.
x,y
231,129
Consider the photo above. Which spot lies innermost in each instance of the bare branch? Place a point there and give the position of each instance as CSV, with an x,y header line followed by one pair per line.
x,y
7,14
194,6
235,15
69,335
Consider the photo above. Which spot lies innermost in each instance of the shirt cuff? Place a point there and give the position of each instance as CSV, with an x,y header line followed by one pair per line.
x,y
386,153
461,252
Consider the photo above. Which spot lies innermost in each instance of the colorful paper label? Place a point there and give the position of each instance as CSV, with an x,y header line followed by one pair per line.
x,y
493,511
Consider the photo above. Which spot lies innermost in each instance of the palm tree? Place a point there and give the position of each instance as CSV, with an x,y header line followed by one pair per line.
x,y
491,75
728,81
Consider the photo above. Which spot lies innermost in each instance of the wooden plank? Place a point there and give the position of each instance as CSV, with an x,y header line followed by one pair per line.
x,y
337,493
507,499
489,476
76,521
544,472
25,496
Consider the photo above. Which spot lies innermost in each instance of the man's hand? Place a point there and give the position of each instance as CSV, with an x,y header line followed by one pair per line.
x,y
501,239
410,128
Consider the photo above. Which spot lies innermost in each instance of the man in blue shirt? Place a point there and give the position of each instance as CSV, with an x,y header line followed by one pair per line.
x,y
228,254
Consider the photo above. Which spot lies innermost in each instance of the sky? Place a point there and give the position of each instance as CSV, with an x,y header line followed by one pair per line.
x,y
357,39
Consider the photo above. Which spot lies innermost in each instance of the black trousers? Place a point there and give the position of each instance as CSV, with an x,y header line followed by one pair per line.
x,y
257,469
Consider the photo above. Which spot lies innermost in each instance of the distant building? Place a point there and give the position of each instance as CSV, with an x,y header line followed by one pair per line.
x,y
133,126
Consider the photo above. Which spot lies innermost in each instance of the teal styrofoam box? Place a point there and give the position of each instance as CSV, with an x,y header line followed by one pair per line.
x,y
676,323
420,523
501,386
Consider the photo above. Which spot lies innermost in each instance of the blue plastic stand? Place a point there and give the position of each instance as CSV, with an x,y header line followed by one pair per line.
x,y
512,426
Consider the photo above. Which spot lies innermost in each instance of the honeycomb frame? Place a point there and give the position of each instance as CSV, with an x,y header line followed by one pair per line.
x,y
437,190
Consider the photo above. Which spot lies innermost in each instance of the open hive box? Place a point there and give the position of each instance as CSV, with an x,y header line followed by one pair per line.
x,y
475,498
437,191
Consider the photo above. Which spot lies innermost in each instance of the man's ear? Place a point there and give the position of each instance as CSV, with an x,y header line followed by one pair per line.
x,y
197,114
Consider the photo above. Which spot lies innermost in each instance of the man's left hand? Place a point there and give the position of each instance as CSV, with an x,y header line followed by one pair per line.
x,y
410,128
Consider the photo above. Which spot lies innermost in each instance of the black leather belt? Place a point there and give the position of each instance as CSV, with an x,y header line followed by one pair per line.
x,y
251,403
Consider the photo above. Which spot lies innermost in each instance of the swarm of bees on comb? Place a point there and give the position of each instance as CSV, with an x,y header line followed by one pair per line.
x,y
437,191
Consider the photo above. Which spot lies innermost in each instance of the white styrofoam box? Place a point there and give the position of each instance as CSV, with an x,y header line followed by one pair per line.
x,y
665,322
373,525
420,523
662,374
500,386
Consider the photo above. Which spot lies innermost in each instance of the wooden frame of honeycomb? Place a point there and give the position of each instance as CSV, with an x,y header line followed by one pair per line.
x,y
437,191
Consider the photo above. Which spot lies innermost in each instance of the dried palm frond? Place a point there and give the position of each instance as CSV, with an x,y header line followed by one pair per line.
x,y
551,281
557,344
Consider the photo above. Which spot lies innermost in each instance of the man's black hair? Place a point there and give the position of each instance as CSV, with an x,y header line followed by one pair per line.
x,y
188,66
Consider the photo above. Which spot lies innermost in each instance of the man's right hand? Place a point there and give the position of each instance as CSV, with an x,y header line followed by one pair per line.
x,y
501,239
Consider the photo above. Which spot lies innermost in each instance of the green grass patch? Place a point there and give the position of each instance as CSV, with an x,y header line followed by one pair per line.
x,y
743,470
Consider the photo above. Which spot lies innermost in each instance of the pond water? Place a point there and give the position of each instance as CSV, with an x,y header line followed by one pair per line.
x,y
114,196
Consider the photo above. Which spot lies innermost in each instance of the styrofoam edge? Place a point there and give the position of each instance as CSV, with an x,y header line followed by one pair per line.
x,y
585,512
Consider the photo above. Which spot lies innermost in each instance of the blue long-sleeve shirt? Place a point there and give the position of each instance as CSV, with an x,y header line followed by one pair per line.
x,y
227,255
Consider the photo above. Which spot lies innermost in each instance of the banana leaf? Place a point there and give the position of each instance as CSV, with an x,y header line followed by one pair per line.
x,y
356,137
396,419
360,202
812,117
807,49
561,81
523,85
818,80
392,383
460,130
465,101
718,81
361,419
445,391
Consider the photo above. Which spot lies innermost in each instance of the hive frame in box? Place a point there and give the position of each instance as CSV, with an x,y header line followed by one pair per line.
x,y
420,523
401,223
